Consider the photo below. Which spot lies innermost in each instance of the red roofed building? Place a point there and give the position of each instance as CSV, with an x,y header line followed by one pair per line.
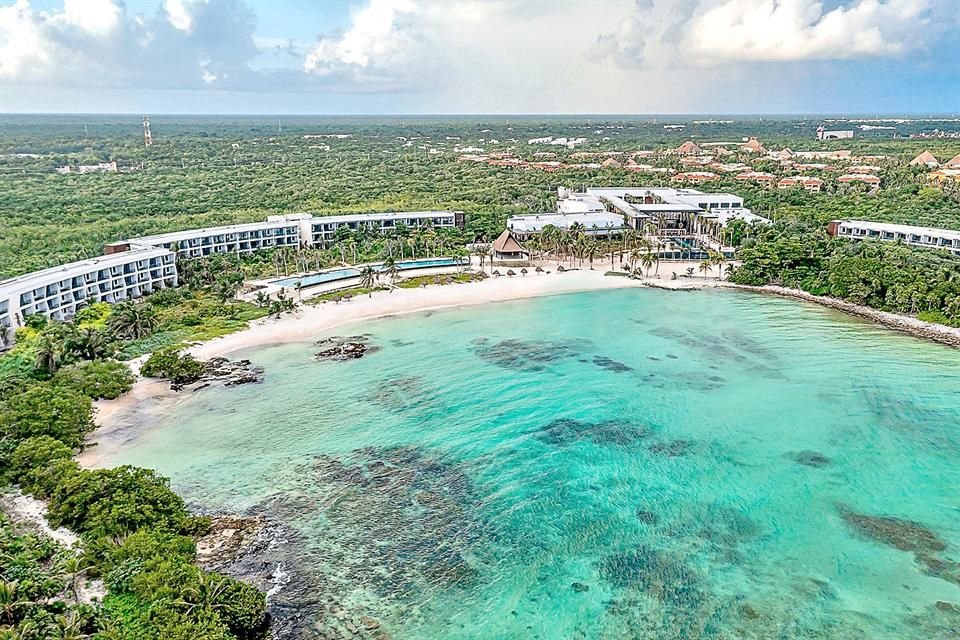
x,y
865,178
754,146
813,185
757,176
688,148
695,176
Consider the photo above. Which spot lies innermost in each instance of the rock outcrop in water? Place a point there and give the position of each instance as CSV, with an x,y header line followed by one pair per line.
x,y
340,348
223,370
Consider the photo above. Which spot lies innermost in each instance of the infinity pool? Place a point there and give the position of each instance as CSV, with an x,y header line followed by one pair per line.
x,y
322,277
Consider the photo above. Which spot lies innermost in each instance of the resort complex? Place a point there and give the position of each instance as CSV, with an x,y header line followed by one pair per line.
x,y
677,216
135,267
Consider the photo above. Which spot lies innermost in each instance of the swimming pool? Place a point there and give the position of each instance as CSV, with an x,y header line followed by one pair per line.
x,y
322,277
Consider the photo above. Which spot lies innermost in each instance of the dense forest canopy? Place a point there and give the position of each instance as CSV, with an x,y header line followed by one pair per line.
x,y
208,170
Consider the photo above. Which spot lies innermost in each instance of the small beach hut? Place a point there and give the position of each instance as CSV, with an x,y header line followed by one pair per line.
x,y
507,249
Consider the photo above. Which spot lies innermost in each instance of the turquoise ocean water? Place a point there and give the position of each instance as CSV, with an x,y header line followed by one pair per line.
x,y
617,464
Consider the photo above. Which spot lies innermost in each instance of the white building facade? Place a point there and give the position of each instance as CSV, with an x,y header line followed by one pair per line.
x,y
59,292
923,237
136,267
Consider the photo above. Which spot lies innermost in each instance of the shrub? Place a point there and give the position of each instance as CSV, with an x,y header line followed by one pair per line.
x,y
47,410
171,364
30,460
96,378
116,502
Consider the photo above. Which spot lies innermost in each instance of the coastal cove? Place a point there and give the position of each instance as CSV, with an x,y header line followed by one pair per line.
x,y
618,463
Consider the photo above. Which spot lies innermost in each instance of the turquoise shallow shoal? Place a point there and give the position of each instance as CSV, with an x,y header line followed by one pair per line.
x,y
617,464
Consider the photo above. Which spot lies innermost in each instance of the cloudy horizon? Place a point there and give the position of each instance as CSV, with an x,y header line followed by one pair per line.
x,y
409,57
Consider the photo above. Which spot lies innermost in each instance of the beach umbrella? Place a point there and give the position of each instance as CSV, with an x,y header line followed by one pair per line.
x,y
539,269
560,269
523,271
496,273
510,272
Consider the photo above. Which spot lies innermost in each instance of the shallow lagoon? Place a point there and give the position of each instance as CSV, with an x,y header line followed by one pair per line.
x,y
616,464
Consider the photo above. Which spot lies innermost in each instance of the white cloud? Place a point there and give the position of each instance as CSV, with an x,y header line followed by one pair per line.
x,y
374,37
178,15
476,55
21,40
784,30
95,17
695,33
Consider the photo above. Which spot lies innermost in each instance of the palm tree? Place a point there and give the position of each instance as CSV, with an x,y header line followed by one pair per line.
x,y
368,278
705,266
10,601
131,320
391,269
73,568
298,285
646,261
591,250
49,353
634,257
719,259
91,343
729,269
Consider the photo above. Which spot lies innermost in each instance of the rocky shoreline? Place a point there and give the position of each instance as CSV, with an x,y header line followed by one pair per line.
x,y
949,336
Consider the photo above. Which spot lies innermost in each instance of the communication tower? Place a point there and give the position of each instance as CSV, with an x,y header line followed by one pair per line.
x,y
147,136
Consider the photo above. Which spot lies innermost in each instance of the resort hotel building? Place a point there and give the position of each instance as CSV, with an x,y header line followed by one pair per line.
x,y
59,292
608,211
135,267
924,237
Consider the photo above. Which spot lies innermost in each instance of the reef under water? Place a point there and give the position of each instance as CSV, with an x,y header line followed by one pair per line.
x,y
613,465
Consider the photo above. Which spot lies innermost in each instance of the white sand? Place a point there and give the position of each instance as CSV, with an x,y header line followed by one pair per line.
x,y
32,512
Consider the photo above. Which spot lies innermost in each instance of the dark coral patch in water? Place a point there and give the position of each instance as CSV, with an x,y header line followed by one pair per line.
x,y
525,355
810,459
605,432
611,365
671,448
401,518
899,533
905,535
647,517
656,573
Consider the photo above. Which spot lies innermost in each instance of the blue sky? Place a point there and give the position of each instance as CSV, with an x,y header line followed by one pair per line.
x,y
480,56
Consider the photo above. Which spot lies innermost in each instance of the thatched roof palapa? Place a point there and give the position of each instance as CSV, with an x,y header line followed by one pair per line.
x,y
507,243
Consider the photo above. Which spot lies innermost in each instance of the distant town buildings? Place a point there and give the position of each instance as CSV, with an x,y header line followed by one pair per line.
x,y
101,167
823,134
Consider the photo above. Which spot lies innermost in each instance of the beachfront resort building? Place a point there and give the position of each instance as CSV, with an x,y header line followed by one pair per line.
x,y
689,217
135,267
59,292
292,230
599,224
924,237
